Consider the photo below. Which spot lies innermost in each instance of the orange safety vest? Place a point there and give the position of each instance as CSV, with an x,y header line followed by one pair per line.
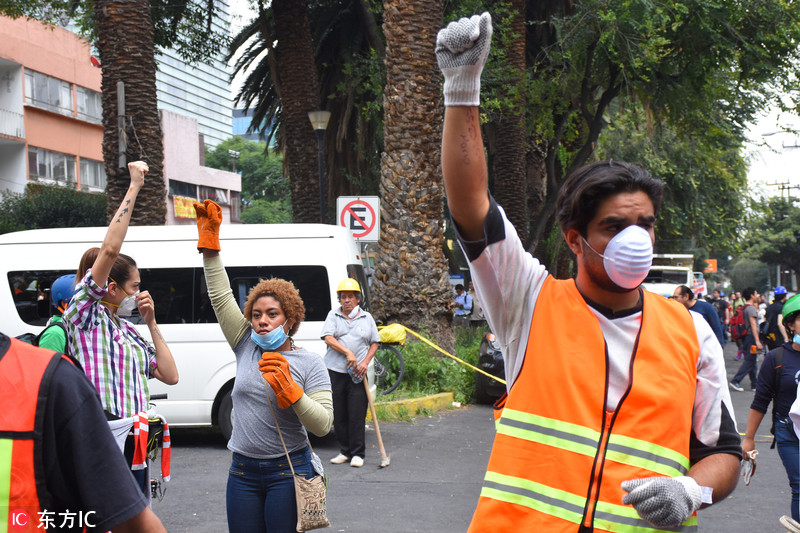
x,y
25,373
559,455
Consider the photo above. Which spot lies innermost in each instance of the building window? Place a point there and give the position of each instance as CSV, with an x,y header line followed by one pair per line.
x,y
51,166
218,195
90,107
93,174
181,188
49,93
236,206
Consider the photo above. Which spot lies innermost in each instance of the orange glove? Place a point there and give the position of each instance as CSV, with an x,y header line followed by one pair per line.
x,y
209,217
275,369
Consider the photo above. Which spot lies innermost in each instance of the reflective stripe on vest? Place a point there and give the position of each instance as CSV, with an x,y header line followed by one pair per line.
x,y
559,456
24,379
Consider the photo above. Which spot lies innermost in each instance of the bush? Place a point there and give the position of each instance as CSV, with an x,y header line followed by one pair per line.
x,y
428,371
46,206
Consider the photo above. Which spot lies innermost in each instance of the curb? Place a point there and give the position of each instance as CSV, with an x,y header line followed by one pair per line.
x,y
413,406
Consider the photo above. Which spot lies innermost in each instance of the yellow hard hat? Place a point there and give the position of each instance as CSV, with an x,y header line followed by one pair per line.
x,y
349,284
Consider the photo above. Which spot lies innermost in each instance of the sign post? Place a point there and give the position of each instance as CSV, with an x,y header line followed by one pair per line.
x,y
361,215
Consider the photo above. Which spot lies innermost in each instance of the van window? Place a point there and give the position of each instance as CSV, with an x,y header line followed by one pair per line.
x,y
311,282
31,292
180,294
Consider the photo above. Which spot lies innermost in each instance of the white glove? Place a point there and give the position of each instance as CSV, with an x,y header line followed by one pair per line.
x,y
663,501
461,50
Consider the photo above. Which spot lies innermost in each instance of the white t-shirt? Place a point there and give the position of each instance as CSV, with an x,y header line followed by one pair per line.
x,y
507,279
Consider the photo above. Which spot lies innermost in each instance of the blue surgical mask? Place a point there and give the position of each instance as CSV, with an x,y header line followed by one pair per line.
x,y
796,338
271,340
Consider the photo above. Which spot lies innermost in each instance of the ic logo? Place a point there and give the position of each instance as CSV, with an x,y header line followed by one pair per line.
x,y
19,519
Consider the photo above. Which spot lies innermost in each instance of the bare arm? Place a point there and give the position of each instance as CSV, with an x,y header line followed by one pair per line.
x,y
754,419
144,522
361,369
118,227
464,169
334,343
720,472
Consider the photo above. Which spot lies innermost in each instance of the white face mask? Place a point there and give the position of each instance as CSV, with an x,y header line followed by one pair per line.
x,y
628,256
127,305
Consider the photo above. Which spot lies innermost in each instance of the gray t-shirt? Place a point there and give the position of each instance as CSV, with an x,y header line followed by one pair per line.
x,y
750,311
356,335
254,433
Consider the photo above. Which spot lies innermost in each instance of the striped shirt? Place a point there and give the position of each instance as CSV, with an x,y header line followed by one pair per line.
x,y
116,358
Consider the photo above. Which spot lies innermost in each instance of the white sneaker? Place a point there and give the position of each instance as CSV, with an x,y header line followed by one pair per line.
x,y
339,459
357,461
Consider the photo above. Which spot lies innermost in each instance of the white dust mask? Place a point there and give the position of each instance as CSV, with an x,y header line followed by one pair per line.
x,y
628,256
127,305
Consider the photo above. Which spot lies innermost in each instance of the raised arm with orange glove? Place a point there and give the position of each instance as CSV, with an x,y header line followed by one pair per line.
x,y
209,218
275,369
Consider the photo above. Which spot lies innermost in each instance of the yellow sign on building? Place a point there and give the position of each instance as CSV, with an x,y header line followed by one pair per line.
x,y
184,207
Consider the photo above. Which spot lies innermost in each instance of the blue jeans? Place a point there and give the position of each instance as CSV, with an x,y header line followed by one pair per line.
x,y
749,364
260,495
789,450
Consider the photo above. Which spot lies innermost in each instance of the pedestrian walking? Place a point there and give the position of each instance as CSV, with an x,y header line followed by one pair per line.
x,y
751,342
777,383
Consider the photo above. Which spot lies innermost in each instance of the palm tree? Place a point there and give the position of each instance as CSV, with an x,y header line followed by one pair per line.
x,y
506,138
298,90
348,52
411,278
125,44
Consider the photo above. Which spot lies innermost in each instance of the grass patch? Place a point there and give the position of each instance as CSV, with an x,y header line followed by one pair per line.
x,y
430,372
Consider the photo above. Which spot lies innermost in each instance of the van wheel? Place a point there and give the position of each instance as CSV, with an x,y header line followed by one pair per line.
x,y
225,415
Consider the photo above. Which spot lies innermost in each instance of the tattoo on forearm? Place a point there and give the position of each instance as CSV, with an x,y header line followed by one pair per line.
x,y
158,332
122,213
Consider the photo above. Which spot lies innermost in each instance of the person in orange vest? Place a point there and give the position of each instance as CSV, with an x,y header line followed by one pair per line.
x,y
617,415
68,472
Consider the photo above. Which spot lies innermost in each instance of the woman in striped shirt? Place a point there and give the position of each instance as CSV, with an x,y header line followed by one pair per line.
x,y
116,358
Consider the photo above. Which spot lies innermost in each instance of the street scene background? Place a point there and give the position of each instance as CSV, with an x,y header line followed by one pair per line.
x,y
434,478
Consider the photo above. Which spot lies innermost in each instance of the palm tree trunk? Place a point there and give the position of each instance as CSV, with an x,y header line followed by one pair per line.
x,y
125,44
510,180
412,281
299,90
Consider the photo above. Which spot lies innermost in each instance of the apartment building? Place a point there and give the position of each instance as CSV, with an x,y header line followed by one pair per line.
x,y
50,112
51,122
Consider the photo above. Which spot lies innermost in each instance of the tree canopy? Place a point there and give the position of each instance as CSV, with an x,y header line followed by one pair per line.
x,y
775,233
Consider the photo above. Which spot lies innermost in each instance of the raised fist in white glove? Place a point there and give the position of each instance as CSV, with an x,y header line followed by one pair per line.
x,y
663,501
461,50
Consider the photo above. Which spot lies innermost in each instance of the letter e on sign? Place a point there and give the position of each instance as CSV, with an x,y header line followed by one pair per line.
x,y
361,215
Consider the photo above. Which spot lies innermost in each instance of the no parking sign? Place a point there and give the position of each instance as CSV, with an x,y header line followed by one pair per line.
x,y
361,215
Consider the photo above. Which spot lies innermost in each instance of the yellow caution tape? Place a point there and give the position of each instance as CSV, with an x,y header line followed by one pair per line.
x,y
451,356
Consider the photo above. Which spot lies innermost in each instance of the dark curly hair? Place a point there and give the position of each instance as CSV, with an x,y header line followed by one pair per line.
x,y
587,187
286,294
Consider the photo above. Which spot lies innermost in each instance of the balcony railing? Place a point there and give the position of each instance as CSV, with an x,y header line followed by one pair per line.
x,y
12,124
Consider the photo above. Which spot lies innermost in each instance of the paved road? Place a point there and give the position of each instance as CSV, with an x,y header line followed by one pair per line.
x,y
433,482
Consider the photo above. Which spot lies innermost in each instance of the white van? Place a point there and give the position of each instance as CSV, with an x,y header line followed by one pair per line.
x,y
315,257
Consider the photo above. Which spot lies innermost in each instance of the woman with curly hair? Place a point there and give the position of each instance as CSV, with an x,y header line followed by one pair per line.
x,y
260,493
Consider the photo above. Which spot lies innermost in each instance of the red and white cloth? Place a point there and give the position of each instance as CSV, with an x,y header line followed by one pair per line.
x,y
141,431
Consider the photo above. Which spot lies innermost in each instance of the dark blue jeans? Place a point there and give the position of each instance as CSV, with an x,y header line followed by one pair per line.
x,y
789,450
260,496
748,364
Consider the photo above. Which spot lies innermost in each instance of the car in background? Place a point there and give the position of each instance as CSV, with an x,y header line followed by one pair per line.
x,y
490,360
